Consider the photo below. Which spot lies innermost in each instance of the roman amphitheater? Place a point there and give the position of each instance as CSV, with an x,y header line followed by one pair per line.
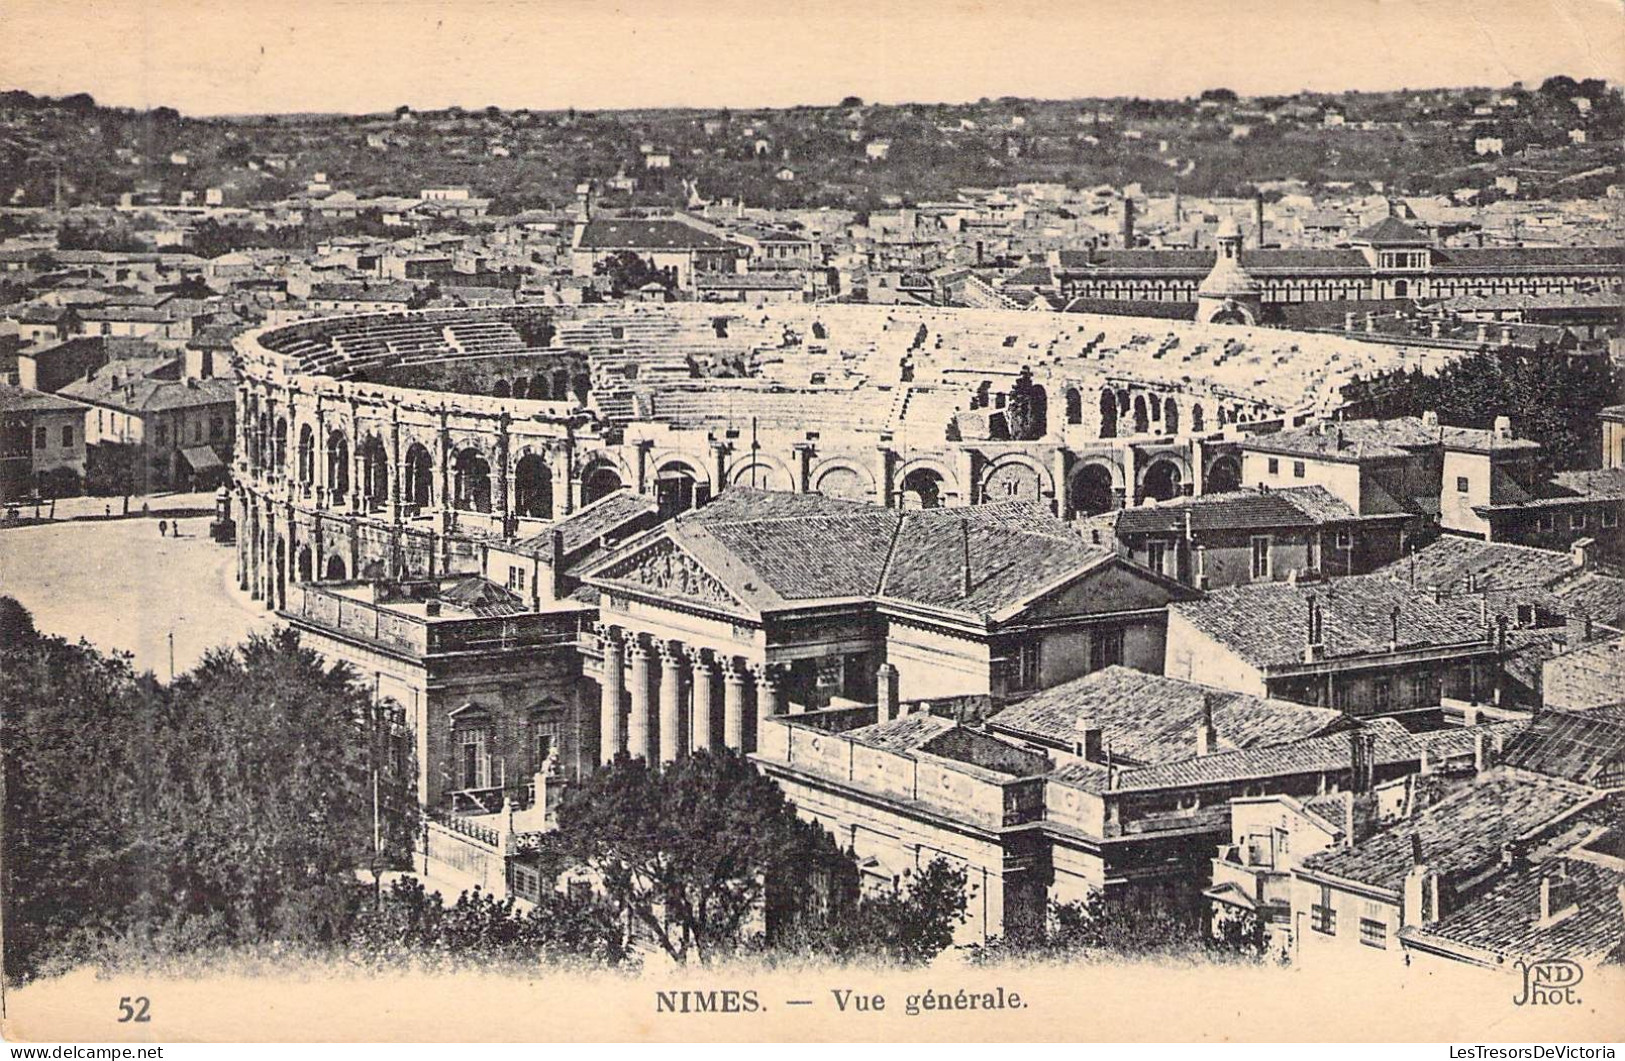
x,y
394,445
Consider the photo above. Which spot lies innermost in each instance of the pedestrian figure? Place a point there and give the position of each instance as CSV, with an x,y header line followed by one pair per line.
x,y
163,525
107,510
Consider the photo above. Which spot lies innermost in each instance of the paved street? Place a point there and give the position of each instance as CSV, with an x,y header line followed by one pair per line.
x,y
123,587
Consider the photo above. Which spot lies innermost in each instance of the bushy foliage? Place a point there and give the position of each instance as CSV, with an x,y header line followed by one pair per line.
x,y
1550,398
1113,927
410,923
232,807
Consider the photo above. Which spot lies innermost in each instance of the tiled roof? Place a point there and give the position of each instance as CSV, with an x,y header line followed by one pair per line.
x,y
648,234
1497,566
901,734
1312,755
146,395
1459,834
1473,259
1570,488
1349,440
1266,623
1503,924
481,597
23,400
771,549
1391,230
1149,718
1479,440
1575,745
609,515
1304,506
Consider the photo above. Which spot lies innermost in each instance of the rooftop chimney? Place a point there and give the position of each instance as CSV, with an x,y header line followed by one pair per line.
x,y
1580,551
1090,744
964,535
1393,629
1313,645
1421,889
1430,418
1503,427
1362,759
886,692
1207,734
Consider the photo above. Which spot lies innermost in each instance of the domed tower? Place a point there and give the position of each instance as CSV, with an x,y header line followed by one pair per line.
x,y
1229,294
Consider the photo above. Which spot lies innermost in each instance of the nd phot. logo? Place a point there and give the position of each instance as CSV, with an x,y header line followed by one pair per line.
x,y
1549,982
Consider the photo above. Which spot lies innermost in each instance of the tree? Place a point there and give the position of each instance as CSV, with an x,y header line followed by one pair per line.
x,y
905,926
693,852
627,272
1027,410
852,101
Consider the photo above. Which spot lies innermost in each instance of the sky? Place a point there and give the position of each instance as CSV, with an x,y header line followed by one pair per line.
x,y
361,56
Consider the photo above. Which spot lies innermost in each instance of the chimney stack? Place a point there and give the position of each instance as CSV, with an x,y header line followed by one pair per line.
x,y
1362,760
1503,427
1128,223
1091,742
1258,216
555,562
1421,889
1580,552
1207,734
1393,631
964,535
886,692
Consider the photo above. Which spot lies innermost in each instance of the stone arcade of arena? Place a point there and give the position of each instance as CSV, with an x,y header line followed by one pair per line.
x,y
504,518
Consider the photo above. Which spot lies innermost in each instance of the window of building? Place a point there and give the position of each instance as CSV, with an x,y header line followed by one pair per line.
x,y
1548,522
1156,554
544,742
473,757
1577,521
1382,694
67,436
99,426
197,430
1323,919
1461,484
1373,933
1105,649
217,429
1610,517
516,578
1275,466
40,438
160,435
1027,664
1261,558
1345,539
1297,469
1421,690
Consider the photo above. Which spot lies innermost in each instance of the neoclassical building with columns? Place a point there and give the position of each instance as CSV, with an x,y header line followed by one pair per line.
x,y
399,474
763,604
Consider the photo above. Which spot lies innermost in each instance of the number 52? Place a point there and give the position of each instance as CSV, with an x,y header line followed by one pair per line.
x,y
137,1012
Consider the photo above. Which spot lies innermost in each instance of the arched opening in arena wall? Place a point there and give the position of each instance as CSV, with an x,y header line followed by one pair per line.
x,y
679,488
1108,414
1223,476
307,455
1170,417
471,481
1074,406
303,565
338,464
1162,480
279,458
1091,490
561,385
335,569
1142,418
280,579
533,488
599,482
419,476
374,473
1196,418
922,488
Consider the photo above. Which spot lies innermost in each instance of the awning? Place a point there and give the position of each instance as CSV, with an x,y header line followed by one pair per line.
x,y
201,459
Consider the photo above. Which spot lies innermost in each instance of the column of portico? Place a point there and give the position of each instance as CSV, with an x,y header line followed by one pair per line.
x,y
769,697
733,704
703,736
357,502
612,686
638,729
672,731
